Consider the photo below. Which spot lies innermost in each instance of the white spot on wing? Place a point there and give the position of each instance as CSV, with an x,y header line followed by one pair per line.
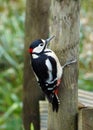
x,y
49,66
59,68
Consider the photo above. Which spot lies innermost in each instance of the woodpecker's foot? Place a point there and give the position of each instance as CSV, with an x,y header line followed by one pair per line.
x,y
55,103
57,86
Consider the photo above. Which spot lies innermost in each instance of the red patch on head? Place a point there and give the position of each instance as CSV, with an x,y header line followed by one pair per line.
x,y
30,50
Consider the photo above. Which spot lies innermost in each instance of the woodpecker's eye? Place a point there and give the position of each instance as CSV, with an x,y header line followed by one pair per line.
x,y
42,44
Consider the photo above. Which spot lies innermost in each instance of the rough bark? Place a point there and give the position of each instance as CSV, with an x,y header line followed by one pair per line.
x,y
64,24
36,26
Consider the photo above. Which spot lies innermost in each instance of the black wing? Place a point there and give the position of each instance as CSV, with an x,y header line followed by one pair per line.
x,y
40,68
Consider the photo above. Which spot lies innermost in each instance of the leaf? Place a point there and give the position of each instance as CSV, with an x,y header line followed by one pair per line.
x,y
31,126
9,111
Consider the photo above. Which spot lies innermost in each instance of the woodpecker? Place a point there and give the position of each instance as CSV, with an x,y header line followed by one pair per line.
x,y
47,69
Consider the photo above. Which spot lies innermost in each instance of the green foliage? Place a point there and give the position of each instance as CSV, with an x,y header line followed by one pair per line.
x,y
31,126
11,63
86,46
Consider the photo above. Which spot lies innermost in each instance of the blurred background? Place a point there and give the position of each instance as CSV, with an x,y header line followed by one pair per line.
x,y
12,18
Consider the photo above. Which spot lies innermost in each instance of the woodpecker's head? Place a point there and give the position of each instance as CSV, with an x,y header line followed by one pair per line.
x,y
39,46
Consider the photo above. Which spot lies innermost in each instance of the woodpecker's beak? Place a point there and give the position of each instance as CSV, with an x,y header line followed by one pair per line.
x,y
49,39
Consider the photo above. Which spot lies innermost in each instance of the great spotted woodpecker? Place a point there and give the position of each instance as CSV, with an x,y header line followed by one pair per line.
x,y
47,69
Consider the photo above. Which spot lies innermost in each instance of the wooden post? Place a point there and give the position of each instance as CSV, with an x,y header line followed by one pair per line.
x,y
37,13
85,119
64,24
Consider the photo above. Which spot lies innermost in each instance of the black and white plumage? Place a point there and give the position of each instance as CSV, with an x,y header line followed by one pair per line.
x,y
47,69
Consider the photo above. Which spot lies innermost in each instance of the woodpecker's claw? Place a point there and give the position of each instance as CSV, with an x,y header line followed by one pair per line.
x,y
68,63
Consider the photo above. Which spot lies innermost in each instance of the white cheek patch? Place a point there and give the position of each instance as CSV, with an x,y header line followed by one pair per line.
x,y
37,49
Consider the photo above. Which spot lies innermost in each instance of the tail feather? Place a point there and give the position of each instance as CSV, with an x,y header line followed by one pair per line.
x,y
54,100
55,103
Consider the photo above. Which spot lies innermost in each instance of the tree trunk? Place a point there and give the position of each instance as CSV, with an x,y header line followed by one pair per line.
x,y
36,26
64,24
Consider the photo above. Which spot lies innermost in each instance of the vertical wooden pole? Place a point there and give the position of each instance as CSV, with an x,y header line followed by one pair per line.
x,y
36,26
64,24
